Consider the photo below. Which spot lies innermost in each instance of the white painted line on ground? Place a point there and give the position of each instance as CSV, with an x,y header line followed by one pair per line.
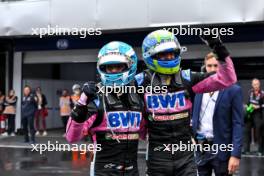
x,y
15,146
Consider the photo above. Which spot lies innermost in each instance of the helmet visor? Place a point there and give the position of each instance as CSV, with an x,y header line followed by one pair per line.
x,y
112,64
167,56
114,68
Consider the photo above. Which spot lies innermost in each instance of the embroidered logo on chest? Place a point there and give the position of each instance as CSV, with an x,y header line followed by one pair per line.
x,y
173,100
123,119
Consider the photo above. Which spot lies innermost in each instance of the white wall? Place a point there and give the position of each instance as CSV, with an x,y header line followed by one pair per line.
x,y
17,85
17,18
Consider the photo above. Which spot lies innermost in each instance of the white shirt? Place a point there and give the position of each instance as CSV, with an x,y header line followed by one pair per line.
x,y
206,114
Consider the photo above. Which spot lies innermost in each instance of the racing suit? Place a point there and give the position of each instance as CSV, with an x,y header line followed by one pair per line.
x,y
256,117
168,115
115,124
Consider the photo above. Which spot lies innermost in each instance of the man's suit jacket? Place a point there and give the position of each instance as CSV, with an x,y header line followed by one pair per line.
x,y
227,120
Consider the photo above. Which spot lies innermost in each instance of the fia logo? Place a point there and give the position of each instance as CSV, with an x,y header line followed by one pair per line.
x,y
167,101
124,119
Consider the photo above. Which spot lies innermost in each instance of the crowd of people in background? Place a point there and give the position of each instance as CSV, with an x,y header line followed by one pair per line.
x,y
34,111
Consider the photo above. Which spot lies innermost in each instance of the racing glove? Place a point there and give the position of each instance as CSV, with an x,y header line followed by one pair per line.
x,y
216,45
80,111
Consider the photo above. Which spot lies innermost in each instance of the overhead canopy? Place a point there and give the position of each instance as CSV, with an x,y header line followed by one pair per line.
x,y
18,18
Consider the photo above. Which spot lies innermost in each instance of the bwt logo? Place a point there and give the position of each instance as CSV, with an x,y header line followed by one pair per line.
x,y
170,100
123,119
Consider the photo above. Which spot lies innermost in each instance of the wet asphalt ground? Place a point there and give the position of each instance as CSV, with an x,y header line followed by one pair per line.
x,y
18,159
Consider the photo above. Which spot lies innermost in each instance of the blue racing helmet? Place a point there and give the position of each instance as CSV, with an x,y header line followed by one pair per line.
x,y
115,53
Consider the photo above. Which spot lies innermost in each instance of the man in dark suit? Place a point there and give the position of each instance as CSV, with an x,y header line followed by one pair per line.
x,y
218,120
28,109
